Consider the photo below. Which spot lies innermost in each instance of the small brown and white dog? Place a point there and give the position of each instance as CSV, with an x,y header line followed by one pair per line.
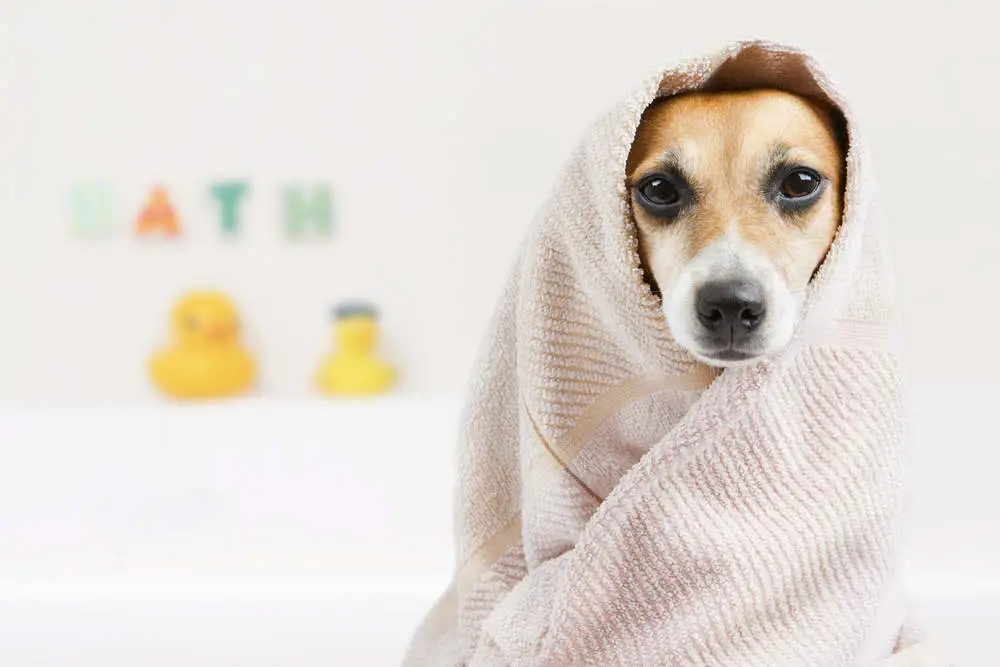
x,y
737,198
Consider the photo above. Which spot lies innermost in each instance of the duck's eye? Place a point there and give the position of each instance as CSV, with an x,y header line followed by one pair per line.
x,y
799,184
661,195
191,322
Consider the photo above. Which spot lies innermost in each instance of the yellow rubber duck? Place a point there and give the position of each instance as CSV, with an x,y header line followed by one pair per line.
x,y
205,359
352,369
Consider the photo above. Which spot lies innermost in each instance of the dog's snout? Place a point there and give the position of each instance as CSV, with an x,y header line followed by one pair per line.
x,y
730,309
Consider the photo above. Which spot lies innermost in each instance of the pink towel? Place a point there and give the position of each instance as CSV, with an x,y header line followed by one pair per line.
x,y
618,503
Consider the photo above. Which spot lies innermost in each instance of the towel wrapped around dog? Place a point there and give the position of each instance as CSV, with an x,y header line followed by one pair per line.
x,y
620,503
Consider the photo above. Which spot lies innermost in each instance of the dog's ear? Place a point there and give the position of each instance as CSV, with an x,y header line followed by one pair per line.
x,y
636,152
838,124
638,148
842,134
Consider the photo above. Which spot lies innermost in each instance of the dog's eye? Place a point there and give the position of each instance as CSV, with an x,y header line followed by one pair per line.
x,y
660,192
800,183
662,195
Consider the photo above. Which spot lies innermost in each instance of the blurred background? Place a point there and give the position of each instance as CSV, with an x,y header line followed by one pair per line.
x,y
438,127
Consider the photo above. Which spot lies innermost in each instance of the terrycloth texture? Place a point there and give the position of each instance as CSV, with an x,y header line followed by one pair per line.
x,y
618,503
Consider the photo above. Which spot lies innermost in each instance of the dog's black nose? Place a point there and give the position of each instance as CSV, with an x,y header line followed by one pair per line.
x,y
730,309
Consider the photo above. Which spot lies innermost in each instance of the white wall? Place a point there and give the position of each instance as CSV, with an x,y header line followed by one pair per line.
x,y
440,125
186,92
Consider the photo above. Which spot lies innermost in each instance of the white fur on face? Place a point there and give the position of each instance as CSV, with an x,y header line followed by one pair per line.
x,y
727,258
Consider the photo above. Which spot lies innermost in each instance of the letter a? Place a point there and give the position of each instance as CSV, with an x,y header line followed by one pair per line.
x,y
158,216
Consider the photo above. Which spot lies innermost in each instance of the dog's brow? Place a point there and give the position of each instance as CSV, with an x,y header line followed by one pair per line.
x,y
781,154
777,155
670,160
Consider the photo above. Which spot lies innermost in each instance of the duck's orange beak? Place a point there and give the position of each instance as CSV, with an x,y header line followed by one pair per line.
x,y
220,333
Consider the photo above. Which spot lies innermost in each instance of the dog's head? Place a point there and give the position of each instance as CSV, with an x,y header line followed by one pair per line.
x,y
736,197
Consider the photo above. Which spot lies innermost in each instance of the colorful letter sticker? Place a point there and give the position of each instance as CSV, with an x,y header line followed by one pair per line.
x,y
158,216
229,194
308,212
91,204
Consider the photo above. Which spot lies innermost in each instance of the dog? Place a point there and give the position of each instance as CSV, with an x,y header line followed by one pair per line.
x,y
736,197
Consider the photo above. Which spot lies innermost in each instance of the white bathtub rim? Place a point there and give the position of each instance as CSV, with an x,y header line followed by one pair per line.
x,y
925,584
